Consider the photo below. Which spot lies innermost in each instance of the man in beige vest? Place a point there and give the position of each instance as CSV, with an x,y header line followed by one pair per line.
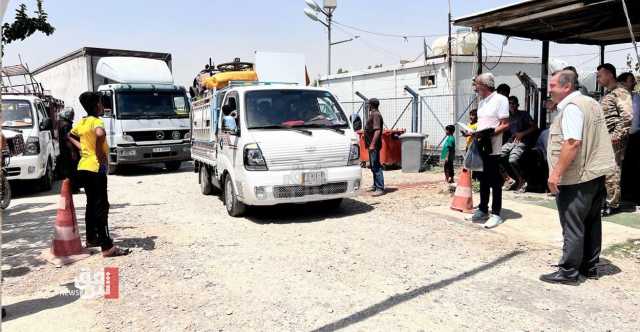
x,y
580,155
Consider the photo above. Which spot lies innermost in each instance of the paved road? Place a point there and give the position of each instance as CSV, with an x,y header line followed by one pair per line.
x,y
378,264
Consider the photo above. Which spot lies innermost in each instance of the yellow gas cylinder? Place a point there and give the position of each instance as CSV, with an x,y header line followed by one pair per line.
x,y
220,80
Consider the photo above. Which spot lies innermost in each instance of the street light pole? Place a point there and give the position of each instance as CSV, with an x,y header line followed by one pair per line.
x,y
329,14
327,11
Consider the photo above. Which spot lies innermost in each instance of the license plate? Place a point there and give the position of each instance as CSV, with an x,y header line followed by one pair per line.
x,y
163,149
313,178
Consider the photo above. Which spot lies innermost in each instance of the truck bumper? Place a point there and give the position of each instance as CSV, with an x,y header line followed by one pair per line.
x,y
25,168
281,187
137,155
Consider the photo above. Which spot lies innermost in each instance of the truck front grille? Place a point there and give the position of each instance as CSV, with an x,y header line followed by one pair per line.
x,y
301,191
152,135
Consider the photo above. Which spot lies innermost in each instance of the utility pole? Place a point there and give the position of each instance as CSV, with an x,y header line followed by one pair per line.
x,y
329,15
449,24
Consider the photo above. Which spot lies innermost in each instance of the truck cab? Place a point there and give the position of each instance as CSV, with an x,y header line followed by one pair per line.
x,y
268,144
146,123
26,115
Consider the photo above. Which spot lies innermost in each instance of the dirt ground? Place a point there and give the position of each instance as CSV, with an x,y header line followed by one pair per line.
x,y
400,262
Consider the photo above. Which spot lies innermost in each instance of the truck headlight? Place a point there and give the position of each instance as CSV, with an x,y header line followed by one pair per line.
x,y
127,138
187,135
354,155
253,158
32,147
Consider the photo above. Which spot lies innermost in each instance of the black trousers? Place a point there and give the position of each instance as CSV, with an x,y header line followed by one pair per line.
x,y
448,170
97,211
490,185
579,209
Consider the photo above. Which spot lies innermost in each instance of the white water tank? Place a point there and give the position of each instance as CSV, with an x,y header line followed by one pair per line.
x,y
464,43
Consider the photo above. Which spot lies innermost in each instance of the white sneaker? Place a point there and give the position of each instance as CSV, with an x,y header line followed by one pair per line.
x,y
493,221
478,216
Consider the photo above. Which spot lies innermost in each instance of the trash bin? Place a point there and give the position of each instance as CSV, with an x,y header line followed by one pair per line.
x,y
412,145
390,154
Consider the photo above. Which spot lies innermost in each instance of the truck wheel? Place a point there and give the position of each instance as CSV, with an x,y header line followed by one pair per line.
x,y
46,181
206,188
5,200
235,208
172,166
113,169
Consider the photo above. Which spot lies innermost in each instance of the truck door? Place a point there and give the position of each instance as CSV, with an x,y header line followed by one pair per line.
x,y
44,128
109,115
229,153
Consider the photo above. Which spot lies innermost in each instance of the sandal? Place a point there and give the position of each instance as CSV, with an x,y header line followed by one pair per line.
x,y
115,252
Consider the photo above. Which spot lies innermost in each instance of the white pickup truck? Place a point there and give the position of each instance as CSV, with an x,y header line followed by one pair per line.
x,y
26,114
279,144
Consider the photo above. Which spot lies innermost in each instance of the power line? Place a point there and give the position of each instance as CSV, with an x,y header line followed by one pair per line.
x,y
382,34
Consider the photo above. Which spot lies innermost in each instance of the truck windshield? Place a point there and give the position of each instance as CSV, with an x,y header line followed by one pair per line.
x,y
293,108
16,113
151,105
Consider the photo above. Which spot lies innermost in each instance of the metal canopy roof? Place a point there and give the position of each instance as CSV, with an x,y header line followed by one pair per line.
x,y
17,70
591,22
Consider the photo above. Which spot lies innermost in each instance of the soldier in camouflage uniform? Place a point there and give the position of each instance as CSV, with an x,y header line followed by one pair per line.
x,y
616,106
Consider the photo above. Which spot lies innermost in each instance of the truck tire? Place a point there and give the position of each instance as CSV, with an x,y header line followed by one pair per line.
x,y
204,179
46,181
113,169
172,166
235,208
5,200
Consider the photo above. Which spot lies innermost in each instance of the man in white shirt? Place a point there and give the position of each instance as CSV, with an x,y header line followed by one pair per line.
x,y
493,120
580,155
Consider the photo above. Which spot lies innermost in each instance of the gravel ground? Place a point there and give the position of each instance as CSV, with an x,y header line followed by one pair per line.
x,y
378,264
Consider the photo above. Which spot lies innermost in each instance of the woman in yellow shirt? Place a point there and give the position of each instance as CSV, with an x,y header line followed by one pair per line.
x,y
92,173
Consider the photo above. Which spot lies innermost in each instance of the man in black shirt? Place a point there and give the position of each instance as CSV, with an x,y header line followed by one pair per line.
x,y
522,129
373,139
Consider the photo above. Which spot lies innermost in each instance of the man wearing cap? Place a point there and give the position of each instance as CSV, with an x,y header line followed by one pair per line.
x,y
373,139
493,120
616,106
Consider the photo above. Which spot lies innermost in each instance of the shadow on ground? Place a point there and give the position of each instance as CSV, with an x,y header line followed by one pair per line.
x,y
29,307
304,213
147,243
151,169
410,295
27,230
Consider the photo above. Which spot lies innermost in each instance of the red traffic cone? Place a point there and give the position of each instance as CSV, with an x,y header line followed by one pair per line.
x,y
463,197
66,246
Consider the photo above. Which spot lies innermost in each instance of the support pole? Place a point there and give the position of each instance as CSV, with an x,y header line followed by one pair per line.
x,y
544,77
329,44
414,108
598,87
365,107
479,53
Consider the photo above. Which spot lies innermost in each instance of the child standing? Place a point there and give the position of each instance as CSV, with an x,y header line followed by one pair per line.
x,y
448,153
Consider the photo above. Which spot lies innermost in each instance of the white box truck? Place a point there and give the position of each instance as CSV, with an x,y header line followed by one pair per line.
x,y
147,115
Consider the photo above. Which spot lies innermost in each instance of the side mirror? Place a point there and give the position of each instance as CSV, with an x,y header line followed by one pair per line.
x,y
356,121
107,103
46,124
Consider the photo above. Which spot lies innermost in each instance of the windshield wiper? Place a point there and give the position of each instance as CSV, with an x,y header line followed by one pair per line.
x,y
335,128
300,130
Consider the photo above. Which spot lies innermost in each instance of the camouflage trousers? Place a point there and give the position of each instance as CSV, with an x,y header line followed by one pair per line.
x,y
614,192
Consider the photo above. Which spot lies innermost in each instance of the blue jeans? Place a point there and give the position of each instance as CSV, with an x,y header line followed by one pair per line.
x,y
376,169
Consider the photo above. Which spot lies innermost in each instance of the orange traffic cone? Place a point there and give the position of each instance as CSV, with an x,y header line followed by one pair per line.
x,y
66,247
463,197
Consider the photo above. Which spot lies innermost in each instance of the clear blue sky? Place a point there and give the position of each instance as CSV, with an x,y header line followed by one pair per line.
x,y
195,30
